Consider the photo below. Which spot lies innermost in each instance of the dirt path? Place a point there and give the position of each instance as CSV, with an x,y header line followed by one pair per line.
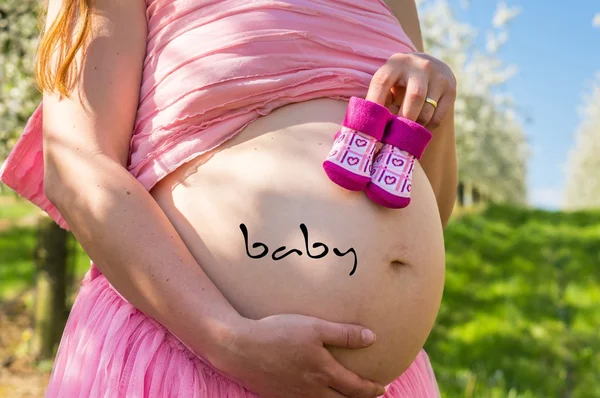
x,y
22,383
19,378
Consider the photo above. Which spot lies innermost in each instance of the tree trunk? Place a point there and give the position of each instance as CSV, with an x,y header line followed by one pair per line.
x,y
460,195
476,196
50,288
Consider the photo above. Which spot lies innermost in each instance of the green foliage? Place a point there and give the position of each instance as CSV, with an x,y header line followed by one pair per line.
x,y
18,41
521,308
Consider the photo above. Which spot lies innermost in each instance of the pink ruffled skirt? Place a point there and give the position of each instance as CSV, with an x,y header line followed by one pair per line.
x,y
111,349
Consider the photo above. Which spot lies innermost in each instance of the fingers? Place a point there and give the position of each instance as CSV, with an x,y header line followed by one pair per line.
x,y
344,335
339,378
411,79
414,98
351,385
444,106
434,92
390,74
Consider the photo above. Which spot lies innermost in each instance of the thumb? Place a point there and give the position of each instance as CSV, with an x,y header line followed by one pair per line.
x,y
344,335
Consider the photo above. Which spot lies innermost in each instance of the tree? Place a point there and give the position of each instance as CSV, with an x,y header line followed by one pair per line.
x,y
51,287
18,42
491,145
583,181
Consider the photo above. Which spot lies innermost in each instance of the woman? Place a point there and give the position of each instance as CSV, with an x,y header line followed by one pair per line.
x,y
187,120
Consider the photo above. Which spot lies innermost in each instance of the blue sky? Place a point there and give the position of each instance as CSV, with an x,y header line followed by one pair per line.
x,y
557,52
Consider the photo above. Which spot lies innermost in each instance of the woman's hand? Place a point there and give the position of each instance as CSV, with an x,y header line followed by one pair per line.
x,y
408,80
283,356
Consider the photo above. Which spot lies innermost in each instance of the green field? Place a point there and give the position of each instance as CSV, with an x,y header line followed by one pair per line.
x,y
521,309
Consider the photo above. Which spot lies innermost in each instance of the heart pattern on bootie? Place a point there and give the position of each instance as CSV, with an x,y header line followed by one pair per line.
x,y
349,162
391,180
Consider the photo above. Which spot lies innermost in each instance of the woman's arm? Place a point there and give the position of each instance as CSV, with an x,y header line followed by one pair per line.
x,y
406,13
134,244
439,160
117,222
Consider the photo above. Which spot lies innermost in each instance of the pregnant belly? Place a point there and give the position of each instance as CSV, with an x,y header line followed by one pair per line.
x,y
264,194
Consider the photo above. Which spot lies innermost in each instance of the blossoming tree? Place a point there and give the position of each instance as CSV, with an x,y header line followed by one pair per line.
x,y
491,145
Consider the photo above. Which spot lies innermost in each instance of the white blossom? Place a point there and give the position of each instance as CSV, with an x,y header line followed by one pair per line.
x,y
583,168
491,144
504,14
495,41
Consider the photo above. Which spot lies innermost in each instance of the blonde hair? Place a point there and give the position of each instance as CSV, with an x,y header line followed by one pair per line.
x,y
59,36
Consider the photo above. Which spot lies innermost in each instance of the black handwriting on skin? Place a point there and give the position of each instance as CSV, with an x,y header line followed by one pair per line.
x,y
275,256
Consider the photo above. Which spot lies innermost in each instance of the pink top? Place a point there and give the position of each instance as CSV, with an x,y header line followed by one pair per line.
x,y
212,67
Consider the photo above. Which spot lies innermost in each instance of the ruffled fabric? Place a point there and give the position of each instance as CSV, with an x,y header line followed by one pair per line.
x,y
212,67
111,349
23,169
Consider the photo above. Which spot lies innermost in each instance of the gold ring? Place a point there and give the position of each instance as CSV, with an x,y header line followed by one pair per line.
x,y
431,101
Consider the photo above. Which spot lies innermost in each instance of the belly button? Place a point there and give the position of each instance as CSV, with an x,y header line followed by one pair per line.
x,y
398,263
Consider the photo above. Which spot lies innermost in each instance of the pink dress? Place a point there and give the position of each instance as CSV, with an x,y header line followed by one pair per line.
x,y
211,68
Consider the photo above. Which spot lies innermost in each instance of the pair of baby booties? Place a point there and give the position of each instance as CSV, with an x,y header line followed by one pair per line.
x,y
384,175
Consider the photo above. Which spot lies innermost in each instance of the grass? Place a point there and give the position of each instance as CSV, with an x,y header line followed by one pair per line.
x,y
521,308
16,270
17,245
13,209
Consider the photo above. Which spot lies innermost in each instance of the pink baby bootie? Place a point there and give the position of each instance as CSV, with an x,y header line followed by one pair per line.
x,y
349,161
391,175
